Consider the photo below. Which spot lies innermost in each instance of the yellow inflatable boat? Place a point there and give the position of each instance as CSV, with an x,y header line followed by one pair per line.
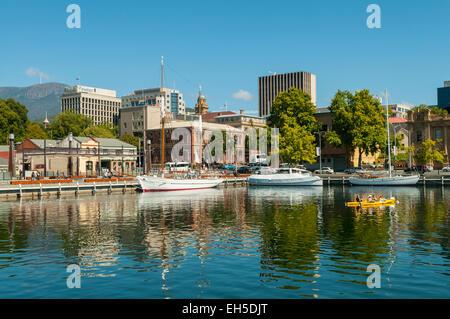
x,y
378,203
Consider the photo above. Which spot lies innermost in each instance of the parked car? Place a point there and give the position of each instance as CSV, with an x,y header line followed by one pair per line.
x,y
227,166
325,170
354,170
258,164
245,170
446,169
420,168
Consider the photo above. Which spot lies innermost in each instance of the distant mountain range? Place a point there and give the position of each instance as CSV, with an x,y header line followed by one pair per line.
x,y
38,99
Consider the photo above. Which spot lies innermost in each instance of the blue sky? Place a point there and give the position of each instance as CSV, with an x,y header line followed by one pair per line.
x,y
226,45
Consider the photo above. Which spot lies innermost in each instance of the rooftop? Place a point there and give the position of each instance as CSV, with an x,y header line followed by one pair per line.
x,y
213,115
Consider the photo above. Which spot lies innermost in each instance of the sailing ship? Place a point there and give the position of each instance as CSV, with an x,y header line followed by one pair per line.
x,y
162,183
385,181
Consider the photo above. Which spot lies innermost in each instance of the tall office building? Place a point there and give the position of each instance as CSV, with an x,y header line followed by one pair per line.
x,y
99,104
269,86
173,99
141,110
444,96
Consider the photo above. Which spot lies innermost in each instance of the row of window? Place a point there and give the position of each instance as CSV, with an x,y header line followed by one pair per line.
x,y
437,135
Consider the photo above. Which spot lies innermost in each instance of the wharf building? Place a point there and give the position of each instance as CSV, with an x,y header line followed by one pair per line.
x,y
76,156
100,105
270,86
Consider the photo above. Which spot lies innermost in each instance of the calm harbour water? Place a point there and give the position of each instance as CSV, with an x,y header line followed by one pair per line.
x,y
227,243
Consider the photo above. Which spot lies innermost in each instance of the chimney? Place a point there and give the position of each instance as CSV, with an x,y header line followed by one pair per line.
x,y
241,112
447,84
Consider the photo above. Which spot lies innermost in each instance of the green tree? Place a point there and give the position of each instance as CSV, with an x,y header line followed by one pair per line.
x,y
130,139
439,112
296,143
358,123
97,131
294,104
13,119
429,152
36,130
114,129
293,114
69,122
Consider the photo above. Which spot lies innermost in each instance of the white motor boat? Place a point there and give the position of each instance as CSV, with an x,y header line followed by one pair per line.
x,y
385,181
284,177
162,184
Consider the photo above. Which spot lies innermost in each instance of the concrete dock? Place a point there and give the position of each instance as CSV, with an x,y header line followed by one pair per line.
x,y
8,191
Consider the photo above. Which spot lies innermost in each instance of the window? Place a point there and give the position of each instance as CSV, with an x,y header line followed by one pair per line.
x,y
437,134
419,136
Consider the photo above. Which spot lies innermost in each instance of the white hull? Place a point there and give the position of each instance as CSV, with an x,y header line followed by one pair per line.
x,y
385,181
285,180
160,184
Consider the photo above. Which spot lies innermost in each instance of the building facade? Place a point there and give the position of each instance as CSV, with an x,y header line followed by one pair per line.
x,y
443,96
100,105
424,125
82,156
173,100
400,110
198,141
241,120
141,110
270,86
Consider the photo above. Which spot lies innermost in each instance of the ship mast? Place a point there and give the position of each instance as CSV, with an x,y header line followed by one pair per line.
x,y
388,137
163,115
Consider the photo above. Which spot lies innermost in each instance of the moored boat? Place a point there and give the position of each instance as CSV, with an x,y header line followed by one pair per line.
x,y
385,181
284,177
390,180
162,184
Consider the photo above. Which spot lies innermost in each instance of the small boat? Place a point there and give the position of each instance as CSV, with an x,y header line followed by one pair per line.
x,y
162,184
385,181
379,203
269,176
398,180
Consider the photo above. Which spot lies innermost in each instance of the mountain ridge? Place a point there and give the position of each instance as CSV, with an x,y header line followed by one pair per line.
x,y
38,98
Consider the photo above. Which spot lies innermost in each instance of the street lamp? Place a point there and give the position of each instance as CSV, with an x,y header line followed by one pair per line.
x,y
235,154
11,164
69,164
319,150
149,160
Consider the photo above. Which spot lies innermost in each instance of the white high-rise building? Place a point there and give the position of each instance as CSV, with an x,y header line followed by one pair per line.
x,y
173,99
100,105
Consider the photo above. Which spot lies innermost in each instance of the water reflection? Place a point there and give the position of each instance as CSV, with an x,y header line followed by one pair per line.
x,y
227,243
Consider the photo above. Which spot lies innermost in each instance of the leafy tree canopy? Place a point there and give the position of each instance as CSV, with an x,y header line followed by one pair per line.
x,y
98,131
13,119
36,130
358,122
293,114
69,122
297,144
294,104
429,152
130,139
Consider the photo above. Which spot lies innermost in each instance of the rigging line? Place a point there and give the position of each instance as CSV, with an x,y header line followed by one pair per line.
x,y
179,74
